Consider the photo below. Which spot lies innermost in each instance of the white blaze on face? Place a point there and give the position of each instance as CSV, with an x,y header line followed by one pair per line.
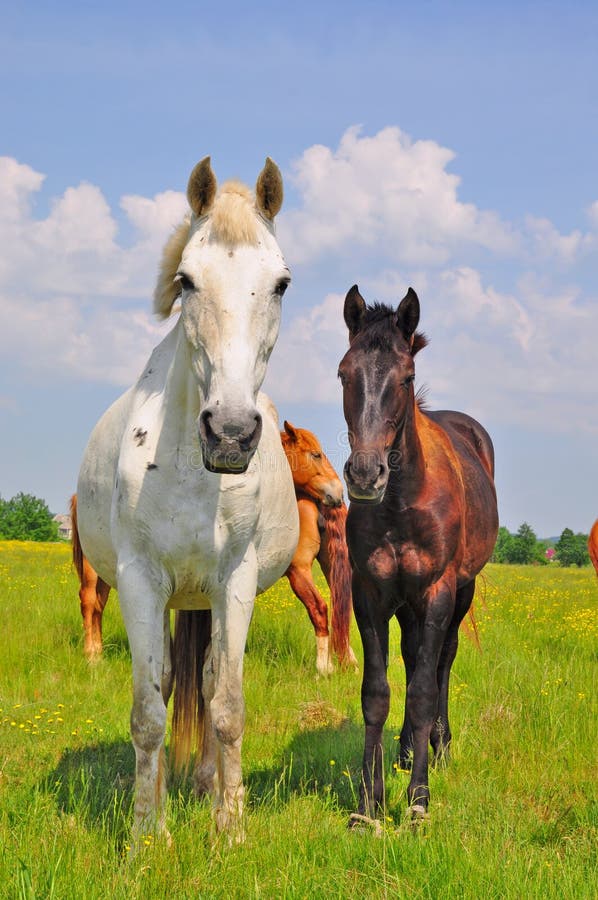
x,y
232,317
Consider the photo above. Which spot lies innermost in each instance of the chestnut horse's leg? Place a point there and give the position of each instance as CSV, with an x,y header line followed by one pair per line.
x,y
422,692
302,583
102,592
375,696
440,737
301,580
93,594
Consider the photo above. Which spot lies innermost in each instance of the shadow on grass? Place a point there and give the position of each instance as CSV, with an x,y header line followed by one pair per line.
x,y
95,784
310,764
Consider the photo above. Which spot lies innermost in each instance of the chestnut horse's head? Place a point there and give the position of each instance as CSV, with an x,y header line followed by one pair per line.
x,y
313,474
377,375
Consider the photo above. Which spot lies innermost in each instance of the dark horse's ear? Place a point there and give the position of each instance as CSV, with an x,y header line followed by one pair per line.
x,y
354,311
408,315
201,189
290,430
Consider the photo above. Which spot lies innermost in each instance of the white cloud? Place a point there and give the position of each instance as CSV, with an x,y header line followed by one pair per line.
x,y
519,357
303,365
511,343
18,183
548,243
593,214
64,278
385,193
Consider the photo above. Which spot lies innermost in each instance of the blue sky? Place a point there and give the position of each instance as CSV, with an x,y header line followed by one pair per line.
x,y
447,146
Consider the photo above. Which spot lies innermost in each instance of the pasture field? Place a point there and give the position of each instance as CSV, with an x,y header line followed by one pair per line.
x,y
514,815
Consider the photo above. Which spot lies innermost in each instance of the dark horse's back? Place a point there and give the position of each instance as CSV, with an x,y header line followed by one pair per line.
x,y
475,450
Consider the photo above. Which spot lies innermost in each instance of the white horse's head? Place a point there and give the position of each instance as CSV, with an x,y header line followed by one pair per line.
x,y
227,268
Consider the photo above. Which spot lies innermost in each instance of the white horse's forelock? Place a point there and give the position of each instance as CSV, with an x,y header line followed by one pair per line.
x,y
233,220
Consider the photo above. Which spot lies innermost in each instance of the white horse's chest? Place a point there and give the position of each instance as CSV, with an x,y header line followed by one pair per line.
x,y
194,515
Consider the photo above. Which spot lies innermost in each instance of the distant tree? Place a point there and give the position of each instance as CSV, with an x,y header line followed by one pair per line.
x,y
26,518
572,549
524,545
504,546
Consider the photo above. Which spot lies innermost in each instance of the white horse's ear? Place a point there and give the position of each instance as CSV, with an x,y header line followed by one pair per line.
x,y
201,189
268,190
354,311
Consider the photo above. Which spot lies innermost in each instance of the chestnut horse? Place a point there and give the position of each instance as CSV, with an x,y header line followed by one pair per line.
x,y
593,545
322,516
422,523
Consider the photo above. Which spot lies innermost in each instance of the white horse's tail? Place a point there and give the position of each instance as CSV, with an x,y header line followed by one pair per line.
x,y
192,635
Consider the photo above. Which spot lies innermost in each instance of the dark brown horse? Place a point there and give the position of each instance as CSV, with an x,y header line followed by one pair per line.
x,y
422,523
322,516
593,545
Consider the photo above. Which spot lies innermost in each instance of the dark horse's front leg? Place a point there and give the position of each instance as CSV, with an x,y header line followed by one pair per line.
x,y
410,641
375,693
422,704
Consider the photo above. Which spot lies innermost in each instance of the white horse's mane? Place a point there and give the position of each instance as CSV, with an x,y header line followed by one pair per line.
x,y
233,220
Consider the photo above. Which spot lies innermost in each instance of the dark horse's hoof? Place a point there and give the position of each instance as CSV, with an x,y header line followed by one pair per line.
x,y
360,823
417,814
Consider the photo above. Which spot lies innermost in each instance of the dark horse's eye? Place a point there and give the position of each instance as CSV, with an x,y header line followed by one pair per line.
x,y
409,380
316,456
281,287
184,281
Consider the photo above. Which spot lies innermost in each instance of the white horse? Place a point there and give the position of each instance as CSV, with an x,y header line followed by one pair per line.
x,y
185,498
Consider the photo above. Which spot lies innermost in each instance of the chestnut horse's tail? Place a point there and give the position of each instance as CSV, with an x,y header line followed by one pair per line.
x,y
469,624
470,627
339,581
192,635
76,544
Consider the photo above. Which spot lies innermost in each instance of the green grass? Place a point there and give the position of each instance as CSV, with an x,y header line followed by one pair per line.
x,y
514,815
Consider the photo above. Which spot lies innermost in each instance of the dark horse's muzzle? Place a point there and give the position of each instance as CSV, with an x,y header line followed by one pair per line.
x,y
227,444
366,475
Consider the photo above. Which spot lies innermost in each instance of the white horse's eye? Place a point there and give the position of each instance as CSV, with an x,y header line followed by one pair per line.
x,y
184,281
281,286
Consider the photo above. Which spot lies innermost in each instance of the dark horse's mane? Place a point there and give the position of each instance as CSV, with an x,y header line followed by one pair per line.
x,y
380,322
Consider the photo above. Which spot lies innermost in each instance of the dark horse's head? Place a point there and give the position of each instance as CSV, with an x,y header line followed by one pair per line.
x,y
377,374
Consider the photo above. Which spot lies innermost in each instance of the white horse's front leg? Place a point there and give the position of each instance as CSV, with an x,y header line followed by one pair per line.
x,y
231,616
167,672
142,607
205,770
